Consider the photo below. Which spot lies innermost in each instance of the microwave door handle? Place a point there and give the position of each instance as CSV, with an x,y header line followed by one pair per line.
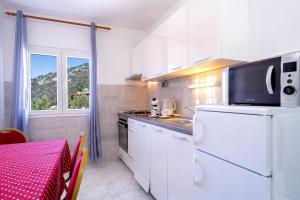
x,y
269,79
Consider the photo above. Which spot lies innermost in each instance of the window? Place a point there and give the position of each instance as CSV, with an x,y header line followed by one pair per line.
x,y
59,81
78,82
43,82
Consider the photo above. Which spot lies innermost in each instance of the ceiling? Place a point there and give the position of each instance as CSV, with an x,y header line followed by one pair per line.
x,y
136,14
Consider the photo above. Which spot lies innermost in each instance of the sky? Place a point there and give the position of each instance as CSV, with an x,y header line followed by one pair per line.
x,y
43,64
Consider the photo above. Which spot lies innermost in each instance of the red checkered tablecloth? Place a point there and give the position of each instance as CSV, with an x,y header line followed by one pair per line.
x,y
33,170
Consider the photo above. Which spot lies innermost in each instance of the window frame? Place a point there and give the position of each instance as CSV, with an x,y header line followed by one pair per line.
x,y
62,79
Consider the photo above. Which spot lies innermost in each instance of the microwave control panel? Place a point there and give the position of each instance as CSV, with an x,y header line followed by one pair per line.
x,y
290,84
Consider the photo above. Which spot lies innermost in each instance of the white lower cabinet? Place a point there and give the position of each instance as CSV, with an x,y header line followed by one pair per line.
x,y
132,144
163,160
158,163
216,179
142,154
180,166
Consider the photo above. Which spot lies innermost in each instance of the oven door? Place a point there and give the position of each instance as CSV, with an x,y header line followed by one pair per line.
x,y
123,136
256,83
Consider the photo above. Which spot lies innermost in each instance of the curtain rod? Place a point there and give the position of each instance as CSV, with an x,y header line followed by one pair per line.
x,y
58,21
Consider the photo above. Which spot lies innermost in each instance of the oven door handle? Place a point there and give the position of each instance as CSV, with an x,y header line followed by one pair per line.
x,y
269,79
122,124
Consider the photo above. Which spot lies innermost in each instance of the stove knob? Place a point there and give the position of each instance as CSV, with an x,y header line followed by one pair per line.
x,y
289,90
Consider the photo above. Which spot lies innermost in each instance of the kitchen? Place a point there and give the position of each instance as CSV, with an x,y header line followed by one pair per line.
x,y
227,151
197,99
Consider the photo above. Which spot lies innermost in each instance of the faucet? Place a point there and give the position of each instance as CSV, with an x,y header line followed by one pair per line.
x,y
190,109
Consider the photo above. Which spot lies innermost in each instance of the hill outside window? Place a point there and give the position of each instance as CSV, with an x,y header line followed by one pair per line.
x,y
59,81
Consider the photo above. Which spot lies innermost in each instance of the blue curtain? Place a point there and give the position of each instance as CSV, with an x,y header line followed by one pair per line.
x,y
94,127
20,108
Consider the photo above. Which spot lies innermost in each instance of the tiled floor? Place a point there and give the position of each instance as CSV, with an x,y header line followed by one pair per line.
x,y
110,181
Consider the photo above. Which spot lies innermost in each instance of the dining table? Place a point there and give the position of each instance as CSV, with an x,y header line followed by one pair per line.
x,y
33,170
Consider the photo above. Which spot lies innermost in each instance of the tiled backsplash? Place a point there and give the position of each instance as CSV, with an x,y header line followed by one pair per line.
x,y
185,96
112,99
116,98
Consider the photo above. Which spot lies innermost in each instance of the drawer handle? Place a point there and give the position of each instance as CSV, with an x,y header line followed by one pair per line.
x,y
131,130
182,138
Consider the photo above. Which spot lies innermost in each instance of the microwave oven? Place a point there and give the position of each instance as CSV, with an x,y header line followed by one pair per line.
x,y
269,82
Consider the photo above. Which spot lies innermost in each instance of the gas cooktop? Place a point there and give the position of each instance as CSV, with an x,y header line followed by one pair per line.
x,y
143,112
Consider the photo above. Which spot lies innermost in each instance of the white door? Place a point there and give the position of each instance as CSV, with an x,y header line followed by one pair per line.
x,y
234,25
142,161
131,143
177,39
134,61
158,157
286,159
137,59
203,30
216,179
274,27
239,138
180,166
155,56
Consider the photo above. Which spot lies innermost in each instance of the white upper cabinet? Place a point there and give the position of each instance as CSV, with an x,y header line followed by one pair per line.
x,y
137,58
217,29
156,53
198,31
234,29
177,39
274,27
203,30
149,58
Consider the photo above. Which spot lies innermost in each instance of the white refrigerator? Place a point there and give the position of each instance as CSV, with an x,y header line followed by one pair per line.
x,y
246,153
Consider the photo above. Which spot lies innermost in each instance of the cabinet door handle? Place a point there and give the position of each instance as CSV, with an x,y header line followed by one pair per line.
x,y
158,74
198,171
182,138
201,60
176,68
197,130
131,130
158,130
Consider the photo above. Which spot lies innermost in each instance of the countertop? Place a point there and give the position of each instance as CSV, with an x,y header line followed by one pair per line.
x,y
164,123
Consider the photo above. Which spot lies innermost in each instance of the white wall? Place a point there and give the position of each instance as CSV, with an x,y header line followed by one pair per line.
x,y
1,71
113,46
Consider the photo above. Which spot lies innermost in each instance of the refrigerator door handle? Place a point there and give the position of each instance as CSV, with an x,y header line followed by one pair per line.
x,y
197,130
198,171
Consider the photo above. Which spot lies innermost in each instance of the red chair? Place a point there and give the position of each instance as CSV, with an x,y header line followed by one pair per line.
x,y
11,136
77,151
76,177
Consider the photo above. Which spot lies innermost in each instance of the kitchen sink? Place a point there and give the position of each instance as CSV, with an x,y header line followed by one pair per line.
x,y
182,121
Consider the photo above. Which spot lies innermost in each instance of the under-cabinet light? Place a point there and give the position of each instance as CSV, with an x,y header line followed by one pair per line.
x,y
202,85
